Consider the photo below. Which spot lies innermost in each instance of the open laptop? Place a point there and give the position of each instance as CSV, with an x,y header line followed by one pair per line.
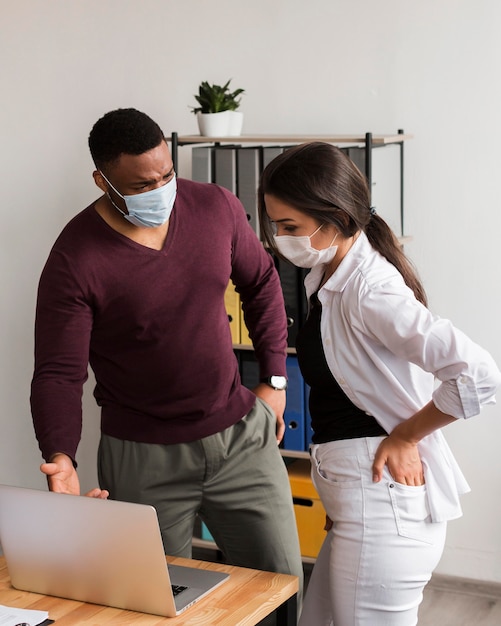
x,y
100,551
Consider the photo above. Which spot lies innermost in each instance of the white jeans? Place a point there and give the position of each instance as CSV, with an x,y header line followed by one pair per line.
x,y
382,548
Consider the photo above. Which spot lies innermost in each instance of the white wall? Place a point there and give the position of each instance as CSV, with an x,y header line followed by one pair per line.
x,y
319,66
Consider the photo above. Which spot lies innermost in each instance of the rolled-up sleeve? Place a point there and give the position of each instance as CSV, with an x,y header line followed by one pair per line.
x,y
474,386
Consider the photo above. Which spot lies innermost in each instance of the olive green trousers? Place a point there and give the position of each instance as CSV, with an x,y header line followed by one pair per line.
x,y
235,480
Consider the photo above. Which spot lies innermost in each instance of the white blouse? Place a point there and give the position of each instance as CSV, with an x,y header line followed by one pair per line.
x,y
386,350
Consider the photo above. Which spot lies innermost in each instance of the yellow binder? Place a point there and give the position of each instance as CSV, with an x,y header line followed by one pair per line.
x,y
245,340
232,305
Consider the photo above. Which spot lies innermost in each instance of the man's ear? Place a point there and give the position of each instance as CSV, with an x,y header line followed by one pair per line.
x,y
100,182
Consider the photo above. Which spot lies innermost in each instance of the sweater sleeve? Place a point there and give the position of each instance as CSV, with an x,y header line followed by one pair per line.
x,y
256,280
62,334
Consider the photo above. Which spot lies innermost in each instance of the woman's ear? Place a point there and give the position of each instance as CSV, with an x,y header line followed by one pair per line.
x,y
344,220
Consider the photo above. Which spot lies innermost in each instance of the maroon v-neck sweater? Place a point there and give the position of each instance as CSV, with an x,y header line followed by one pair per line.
x,y
152,324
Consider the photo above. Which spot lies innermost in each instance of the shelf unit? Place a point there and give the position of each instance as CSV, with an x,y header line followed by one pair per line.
x,y
367,141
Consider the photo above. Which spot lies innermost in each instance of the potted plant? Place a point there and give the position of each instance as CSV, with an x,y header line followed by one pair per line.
x,y
216,112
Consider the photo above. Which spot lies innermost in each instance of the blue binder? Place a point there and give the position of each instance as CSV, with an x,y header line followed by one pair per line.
x,y
294,411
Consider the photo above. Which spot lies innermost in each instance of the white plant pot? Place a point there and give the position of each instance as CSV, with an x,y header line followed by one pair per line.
x,y
236,122
214,124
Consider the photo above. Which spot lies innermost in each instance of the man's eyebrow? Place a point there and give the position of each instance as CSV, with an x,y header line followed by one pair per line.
x,y
143,181
151,181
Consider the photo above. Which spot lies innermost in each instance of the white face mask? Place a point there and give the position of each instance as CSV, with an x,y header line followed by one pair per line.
x,y
150,208
298,250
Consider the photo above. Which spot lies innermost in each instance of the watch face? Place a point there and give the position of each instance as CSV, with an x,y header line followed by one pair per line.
x,y
278,382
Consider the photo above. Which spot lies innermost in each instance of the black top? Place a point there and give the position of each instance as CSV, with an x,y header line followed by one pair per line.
x,y
333,415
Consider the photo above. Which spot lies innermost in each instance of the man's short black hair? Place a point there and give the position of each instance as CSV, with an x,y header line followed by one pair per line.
x,y
123,131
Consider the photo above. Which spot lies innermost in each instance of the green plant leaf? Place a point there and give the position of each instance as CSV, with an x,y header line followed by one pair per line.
x,y
216,98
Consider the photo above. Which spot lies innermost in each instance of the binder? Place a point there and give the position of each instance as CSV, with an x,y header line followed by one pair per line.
x,y
294,410
386,184
303,301
294,417
225,167
268,153
357,155
308,430
249,369
202,166
206,534
291,280
248,171
245,340
233,307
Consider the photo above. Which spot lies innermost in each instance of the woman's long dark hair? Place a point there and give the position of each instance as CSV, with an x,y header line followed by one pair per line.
x,y
319,180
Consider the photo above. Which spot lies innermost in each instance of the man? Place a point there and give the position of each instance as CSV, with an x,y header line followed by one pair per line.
x,y
134,285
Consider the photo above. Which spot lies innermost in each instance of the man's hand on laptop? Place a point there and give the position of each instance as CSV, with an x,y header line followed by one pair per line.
x,y
62,477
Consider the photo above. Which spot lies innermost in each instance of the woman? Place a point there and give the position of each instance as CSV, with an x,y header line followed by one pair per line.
x,y
370,351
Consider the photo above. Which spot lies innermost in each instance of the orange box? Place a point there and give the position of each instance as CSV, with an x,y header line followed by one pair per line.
x,y
310,513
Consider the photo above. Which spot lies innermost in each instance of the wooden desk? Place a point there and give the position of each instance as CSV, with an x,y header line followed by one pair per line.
x,y
243,600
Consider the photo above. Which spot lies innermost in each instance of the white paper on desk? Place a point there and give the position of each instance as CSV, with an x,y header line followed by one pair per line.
x,y
10,616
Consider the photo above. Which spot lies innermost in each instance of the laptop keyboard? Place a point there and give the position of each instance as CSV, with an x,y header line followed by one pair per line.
x,y
176,589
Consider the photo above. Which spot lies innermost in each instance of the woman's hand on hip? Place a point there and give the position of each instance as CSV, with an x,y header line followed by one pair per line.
x,y
402,459
399,450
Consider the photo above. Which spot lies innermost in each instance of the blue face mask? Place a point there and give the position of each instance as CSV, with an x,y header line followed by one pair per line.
x,y
150,208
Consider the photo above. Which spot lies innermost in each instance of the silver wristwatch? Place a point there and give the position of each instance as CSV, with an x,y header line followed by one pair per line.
x,y
276,382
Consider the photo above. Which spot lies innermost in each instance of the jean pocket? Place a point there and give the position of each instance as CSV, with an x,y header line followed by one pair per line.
x,y
339,467
411,511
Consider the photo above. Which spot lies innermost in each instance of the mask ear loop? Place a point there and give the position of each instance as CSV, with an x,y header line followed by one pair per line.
x,y
313,234
114,189
118,194
116,206
333,239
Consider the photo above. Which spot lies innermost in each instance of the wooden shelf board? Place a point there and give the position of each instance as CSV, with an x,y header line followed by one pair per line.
x,y
379,139
295,454
246,346
404,239
196,542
